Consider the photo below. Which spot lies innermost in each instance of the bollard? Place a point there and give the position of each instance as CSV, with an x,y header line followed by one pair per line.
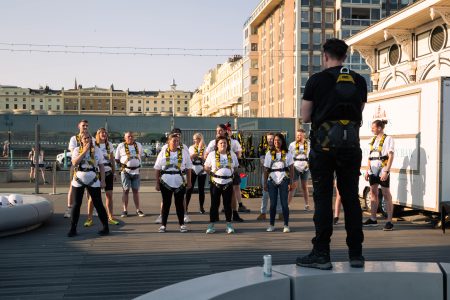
x,y
11,159
65,159
54,179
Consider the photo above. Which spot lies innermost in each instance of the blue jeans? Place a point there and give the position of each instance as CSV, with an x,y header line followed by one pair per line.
x,y
265,199
279,191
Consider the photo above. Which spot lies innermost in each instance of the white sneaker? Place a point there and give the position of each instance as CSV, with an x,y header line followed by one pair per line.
x,y
270,228
286,229
183,228
162,229
229,229
187,219
158,220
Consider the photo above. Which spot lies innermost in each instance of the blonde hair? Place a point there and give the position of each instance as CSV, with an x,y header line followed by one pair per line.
x,y
202,141
97,135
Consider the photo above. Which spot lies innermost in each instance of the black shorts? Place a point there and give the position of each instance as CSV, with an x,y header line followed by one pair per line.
x,y
373,179
236,179
109,181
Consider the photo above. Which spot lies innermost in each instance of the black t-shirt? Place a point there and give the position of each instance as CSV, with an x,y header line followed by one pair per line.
x,y
319,86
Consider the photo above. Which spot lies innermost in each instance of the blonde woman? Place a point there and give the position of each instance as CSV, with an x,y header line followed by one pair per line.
x,y
196,152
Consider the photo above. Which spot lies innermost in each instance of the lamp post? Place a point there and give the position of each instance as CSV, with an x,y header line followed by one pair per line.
x,y
173,86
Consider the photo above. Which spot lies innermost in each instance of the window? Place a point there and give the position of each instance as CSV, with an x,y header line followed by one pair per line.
x,y
170,102
139,102
7,105
329,17
178,96
254,80
162,96
131,101
131,108
58,107
254,47
185,102
162,102
317,37
32,106
24,106
185,109
317,17
147,102
146,109
41,107
155,109
178,102
305,16
178,109
155,102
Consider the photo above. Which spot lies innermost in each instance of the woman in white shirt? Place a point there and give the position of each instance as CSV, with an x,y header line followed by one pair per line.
x,y
171,167
221,165
88,174
196,152
279,179
41,164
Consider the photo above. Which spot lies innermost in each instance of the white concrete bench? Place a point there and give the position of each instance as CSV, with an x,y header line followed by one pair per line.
x,y
377,280
446,268
246,284
31,214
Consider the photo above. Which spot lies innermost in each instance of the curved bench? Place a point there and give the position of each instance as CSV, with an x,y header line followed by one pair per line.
x,y
377,280
21,218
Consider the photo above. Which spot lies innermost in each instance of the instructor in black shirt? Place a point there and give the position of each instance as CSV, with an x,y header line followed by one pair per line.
x,y
333,102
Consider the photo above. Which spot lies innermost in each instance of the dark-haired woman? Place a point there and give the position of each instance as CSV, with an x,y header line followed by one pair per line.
x,y
196,151
221,164
88,174
379,166
279,179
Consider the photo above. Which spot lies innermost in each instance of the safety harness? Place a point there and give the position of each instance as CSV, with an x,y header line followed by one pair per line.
x,y
297,151
218,167
198,161
107,159
274,160
127,152
173,172
89,168
383,158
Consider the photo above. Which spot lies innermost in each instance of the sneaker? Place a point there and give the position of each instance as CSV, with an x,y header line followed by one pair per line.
x,y
183,228
336,220
162,229
158,220
270,228
104,231
72,232
388,226
124,214
210,229
315,259
243,208
140,213
307,207
202,210
280,217
229,229
95,213
113,222
370,222
286,229
68,212
236,217
187,219
261,217
88,223
357,261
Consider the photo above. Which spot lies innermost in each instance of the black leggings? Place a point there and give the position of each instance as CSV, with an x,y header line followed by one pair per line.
x,y
226,194
201,189
167,202
96,195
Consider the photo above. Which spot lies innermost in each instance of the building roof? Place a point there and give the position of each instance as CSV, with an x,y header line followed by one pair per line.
x,y
44,91
143,93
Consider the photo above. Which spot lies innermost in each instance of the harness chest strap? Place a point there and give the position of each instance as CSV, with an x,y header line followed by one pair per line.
x,y
90,168
177,166
383,158
198,161
283,159
108,162
127,152
297,151
219,166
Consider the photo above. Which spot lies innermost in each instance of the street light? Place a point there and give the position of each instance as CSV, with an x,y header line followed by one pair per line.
x,y
173,86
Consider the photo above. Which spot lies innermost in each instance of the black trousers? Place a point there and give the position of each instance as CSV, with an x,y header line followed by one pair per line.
x,y
201,189
216,192
167,202
346,163
96,195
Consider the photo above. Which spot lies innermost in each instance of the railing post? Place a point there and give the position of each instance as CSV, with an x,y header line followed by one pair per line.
x,y
11,159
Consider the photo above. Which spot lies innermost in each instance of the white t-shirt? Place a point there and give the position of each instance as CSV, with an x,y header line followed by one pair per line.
x,y
87,177
235,146
388,146
185,149
300,165
106,155
198,169
224,170
73,142
135,157
173,180
278,177
41,157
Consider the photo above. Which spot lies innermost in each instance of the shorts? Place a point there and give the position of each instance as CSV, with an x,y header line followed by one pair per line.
x,y
41,165
33,165
236,179
302,175
109,180
373,179
130,181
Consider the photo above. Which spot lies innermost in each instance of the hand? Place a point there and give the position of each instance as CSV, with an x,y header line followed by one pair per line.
x,y
102,184
157,187
86,150
266,189
366,176
384,176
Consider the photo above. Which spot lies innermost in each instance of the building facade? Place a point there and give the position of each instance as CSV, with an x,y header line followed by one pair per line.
x,y
19,100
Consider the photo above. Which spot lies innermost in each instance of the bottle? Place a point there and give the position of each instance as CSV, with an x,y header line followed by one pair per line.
x,y
267,268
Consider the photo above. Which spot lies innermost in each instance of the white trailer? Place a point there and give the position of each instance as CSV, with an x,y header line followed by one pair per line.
x,y
419,121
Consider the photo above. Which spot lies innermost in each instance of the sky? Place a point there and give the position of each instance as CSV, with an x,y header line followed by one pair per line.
x,y
59,25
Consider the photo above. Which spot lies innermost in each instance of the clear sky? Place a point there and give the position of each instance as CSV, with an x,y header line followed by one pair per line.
x,y
193,24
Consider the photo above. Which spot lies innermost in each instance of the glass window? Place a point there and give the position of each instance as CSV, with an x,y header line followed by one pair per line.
x,y
305,37
305,15
346,13
375,14
254,47
329,17
317,37
317,17
317,60
305,2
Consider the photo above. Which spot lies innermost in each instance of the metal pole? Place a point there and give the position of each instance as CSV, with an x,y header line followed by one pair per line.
x,y
65,159
54,179
37,152
11,159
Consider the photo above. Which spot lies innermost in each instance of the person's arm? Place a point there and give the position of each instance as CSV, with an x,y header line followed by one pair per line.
x,y
307,107
76,159
102,175
188,179
387,169
293,183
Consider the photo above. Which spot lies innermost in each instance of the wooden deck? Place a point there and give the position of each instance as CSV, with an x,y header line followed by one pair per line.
x,y
135,259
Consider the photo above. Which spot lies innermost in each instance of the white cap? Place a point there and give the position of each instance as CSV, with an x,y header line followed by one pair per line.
x,y
15,199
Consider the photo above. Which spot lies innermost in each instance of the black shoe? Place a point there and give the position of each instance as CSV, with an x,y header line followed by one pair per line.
x,y
370,222
243,209
388,226
236,217
104,231
72,232
315,259
202,210
336,220
357,261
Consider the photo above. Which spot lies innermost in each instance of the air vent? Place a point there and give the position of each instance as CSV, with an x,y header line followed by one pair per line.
x,y
437,38
394,55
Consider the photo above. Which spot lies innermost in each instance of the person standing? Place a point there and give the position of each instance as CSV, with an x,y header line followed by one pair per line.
x,y
221,164
300,151
40,163
333,101
378,173
128,156
196,151
89,174
171,165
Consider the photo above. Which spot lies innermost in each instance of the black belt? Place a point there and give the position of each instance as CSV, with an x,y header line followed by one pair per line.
x,y
84,184
279,170
175,190
197,163
108,173
220,177
85,170
300,159
130,168
108,164
385,157
173,172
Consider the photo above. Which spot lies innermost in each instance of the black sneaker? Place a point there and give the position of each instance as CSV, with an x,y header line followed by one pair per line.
x,y
236,217
243,208
357,261
315,259
202,210
124,214
388,226
104,231
370,222
336,220
72,232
